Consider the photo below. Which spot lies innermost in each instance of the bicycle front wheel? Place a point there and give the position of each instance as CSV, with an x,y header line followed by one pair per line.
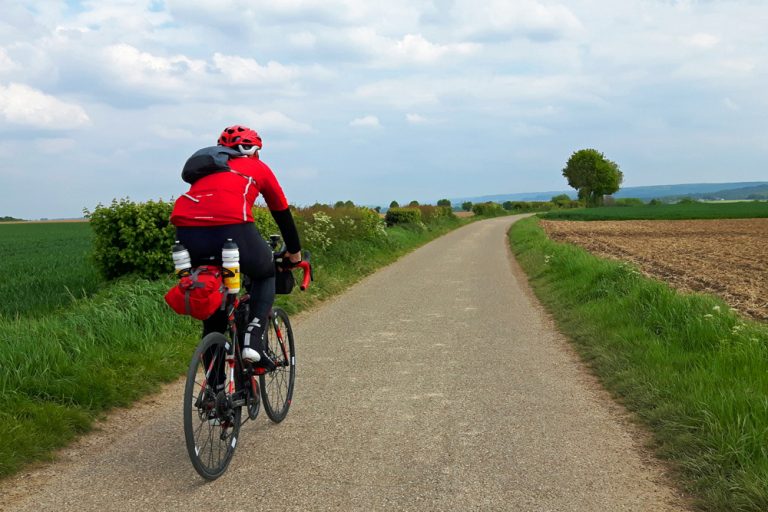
x,y
211,423
277,385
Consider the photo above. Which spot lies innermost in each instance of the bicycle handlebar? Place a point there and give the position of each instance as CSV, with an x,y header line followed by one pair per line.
x,y
307,269
304,265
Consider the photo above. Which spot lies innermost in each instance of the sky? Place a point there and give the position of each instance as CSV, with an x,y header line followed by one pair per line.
x,y
376,101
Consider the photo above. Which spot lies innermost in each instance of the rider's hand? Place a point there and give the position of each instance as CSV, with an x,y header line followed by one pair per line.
x,y
293,257
289,260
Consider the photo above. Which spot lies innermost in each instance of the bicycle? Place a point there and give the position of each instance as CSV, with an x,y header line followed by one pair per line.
x,y
220,383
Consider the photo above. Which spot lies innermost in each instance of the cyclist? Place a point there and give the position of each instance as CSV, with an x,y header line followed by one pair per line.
x,y
226,179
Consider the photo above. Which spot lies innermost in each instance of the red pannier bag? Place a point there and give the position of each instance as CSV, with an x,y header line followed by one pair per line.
x,y
199,294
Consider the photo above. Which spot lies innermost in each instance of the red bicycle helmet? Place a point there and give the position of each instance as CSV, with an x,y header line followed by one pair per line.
x,y
237,135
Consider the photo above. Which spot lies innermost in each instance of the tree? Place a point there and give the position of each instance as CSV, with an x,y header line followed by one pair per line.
x,y
593,175
466,206
444,202
413,203
394,204
339,204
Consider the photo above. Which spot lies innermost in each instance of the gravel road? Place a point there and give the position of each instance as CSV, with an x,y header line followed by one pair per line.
x,y
436,384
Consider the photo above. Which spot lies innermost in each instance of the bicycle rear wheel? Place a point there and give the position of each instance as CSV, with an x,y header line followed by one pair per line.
x,y
211,423
277,385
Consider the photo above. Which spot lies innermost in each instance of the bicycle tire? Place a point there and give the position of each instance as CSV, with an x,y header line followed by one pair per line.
x,y
211,424
277,385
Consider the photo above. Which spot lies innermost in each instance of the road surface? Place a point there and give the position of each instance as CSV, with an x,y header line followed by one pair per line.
x,y
437,383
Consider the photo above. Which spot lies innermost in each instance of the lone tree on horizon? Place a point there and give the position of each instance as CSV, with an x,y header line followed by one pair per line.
x,y
593,175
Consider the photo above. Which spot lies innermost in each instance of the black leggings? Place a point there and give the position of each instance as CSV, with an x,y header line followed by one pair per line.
x,y
204,244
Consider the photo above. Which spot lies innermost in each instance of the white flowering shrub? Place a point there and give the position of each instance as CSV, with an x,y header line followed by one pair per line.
x,y
318,234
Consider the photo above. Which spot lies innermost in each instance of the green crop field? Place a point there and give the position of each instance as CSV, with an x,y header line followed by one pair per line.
x,y
740,210
46,265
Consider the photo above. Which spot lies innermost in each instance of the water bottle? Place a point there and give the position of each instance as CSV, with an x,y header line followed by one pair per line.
x,y
181,260
230,260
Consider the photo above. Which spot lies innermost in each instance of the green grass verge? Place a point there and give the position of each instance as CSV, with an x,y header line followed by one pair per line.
x,y
49,266
61,371
741,210
693,371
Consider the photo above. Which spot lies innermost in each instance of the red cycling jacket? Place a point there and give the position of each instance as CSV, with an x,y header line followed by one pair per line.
x,y
227,196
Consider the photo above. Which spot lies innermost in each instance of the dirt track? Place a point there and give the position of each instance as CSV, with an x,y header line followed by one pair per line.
x,y
435,384
724,257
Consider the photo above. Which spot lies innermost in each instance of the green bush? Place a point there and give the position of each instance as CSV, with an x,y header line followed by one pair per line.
x,y
629,201
430,214
543,206
264,221
136,238
403,216
489,209
132,238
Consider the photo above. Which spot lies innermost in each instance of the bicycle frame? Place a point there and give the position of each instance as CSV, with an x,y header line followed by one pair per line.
x,y
213,412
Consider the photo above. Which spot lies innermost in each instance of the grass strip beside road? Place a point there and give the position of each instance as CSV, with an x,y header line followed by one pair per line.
x,y
691,369
60,372
739,210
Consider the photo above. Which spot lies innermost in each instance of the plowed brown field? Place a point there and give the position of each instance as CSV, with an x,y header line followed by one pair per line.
x,y
728,258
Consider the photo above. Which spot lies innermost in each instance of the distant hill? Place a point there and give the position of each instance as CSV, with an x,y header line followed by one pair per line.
x,y
752,192
737,190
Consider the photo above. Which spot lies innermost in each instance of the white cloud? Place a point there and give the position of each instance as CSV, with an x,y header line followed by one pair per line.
x,y
403,93
740,65
123,17
54,145
415,119
240,70
493,93
277,121
303,39
366,121
172,133
262,121
23,105
128,65
701,40
408,49
143,74
415,47
493,19
6,63
731,105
